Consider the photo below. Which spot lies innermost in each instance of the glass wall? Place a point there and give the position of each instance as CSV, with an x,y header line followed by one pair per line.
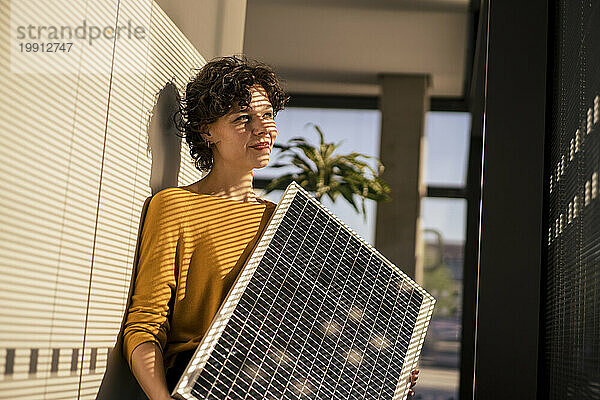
x,y
447,144
358,130
443,221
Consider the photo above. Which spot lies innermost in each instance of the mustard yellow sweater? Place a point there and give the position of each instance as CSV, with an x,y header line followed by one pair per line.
x,y
192,247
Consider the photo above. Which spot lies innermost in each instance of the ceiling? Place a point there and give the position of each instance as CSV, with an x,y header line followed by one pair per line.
x,y
340,46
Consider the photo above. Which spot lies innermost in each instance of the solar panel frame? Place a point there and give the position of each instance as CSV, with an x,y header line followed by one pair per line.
x,y
185,386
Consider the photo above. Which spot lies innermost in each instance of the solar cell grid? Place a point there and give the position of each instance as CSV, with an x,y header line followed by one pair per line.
x,y
315,313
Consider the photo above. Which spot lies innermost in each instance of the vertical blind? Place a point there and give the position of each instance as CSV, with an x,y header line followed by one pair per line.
x,y
75,171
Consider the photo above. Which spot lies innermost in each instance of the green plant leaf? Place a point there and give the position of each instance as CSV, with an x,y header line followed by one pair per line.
x,y
325,173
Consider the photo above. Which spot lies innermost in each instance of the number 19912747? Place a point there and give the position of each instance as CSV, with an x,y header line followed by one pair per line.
x,y
50,47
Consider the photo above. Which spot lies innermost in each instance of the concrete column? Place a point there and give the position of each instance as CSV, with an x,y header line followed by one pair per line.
x,y
403,103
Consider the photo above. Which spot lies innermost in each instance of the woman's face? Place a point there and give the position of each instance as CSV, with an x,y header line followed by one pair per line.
x,y
234,135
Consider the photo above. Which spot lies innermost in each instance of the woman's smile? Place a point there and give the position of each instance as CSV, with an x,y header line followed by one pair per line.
x,y
261,147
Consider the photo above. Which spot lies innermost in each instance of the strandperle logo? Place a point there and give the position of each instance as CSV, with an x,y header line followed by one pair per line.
x,y
80,32
78,37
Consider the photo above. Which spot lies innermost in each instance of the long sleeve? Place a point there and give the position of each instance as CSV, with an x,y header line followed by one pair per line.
x,y
155,282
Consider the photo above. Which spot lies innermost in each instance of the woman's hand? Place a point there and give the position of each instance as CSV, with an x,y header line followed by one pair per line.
x,y
413,381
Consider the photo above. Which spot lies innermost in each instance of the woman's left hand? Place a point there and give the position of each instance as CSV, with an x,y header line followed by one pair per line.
x,y
413,381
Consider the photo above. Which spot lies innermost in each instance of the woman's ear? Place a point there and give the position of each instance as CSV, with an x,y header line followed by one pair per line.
x,y
204,132
205,136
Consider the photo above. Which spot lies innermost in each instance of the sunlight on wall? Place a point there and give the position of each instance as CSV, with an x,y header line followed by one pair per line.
x,y
75,172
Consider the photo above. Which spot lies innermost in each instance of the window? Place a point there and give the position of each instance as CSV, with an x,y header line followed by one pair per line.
x,y
443,224
443,218
446,149
358,129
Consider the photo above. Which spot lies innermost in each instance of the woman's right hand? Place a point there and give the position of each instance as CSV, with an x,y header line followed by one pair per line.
x,y
413,381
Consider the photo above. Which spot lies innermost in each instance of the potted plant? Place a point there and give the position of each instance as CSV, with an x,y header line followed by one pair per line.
x,y
327,174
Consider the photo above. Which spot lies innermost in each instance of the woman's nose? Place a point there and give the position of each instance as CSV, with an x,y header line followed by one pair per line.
x,y
262,126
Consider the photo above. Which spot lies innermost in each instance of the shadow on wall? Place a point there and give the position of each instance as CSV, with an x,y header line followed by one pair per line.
x,y
163,142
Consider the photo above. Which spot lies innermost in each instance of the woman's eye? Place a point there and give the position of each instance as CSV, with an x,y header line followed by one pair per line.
x,y
243,116
269,114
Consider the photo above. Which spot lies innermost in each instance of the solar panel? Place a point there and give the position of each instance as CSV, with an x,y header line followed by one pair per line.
x,y
315,313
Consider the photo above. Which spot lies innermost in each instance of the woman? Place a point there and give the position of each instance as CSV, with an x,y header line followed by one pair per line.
x,y
196,238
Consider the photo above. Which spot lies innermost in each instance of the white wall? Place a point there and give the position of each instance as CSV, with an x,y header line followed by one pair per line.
x,y
74,174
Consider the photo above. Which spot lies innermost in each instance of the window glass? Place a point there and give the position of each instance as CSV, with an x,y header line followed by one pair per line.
x,y
358,129
446,148
442,219
443,236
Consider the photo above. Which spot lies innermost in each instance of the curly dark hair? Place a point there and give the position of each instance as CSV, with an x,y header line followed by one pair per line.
x,y
213,91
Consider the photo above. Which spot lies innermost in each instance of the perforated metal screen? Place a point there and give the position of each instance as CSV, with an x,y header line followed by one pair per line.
x,y
316,313
571,334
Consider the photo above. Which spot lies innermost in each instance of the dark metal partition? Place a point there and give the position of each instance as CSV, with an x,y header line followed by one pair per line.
x,y
536,259
570,351
509,109
476,95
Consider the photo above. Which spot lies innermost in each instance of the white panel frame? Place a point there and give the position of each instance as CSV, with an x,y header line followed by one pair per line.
x,y
184,386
